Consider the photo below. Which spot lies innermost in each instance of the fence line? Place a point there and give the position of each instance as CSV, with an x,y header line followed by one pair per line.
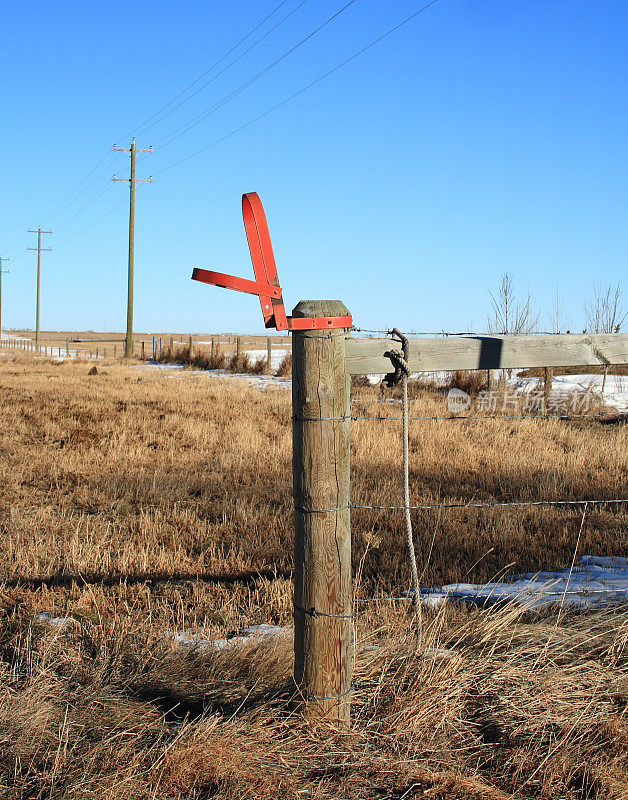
x,y
322,496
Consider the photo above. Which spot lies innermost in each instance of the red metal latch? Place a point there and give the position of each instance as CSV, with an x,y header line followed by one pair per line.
x,y
266,284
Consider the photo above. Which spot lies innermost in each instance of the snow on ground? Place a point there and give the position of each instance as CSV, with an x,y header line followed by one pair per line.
x,y
615,388
597,581
254,634
277,356
180,373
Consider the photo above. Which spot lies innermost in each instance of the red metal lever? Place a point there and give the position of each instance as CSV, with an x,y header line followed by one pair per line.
x,y
266,283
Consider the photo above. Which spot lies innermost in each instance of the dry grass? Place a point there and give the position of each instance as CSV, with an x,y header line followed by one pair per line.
x,y
138,502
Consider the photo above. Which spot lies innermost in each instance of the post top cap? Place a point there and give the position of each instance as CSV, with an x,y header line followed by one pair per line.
x,y
320,308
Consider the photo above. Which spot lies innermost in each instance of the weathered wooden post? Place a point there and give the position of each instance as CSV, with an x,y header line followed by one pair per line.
x,y
213,348
323,614
547,384
269,353
238,349
171,347
190,349
143,350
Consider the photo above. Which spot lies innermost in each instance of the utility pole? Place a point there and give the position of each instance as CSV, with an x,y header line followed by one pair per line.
x,y
133,150
39,249
2,272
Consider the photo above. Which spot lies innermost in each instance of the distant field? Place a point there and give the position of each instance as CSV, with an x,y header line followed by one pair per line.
x,y
140,501
87,343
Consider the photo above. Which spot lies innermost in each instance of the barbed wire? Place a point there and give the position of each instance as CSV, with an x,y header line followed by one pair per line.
x,y
493,417
508,504
452,333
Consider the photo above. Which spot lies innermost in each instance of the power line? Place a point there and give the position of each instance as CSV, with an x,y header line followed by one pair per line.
x,y
182,129
143,128
73,196
93,199
91,224
300,91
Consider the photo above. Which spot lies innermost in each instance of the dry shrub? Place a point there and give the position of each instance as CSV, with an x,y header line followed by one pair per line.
x,y
241,364
259,367
284,370
470,381
202,360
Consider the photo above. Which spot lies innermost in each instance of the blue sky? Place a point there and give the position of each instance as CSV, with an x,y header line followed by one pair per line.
x,y
479,138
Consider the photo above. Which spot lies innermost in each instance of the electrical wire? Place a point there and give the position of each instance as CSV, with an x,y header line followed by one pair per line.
x,y
190,124
91,225
222,71
302,90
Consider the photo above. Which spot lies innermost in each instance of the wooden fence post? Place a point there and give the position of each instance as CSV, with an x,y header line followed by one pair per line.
x,y
269,354
190,349
143,350
213,348
547,384
321,430
171,347
238,349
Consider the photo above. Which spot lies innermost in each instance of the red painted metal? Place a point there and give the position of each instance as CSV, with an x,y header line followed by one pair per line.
x,y
266,283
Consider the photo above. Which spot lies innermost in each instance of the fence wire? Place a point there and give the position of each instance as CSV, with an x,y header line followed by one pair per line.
x,y
415,594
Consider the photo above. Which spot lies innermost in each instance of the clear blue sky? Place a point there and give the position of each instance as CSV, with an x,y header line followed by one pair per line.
x,y
479,138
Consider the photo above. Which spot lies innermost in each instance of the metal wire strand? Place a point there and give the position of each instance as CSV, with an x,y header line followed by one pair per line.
x,y
598,501
313,612
494,417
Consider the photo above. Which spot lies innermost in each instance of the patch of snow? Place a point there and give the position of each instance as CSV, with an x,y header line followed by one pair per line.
x,y
254,634
597,581
48,618
260,381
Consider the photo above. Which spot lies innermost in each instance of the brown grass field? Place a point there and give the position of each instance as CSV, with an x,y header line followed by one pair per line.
x,y
141,501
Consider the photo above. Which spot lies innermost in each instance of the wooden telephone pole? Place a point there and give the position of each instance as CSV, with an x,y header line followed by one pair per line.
x,y
133,150
2,272
39,249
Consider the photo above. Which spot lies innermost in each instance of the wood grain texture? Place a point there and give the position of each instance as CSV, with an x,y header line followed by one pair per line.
x,y
491,352
321,445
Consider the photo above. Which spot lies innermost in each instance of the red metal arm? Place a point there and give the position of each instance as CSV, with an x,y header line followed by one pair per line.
x,y
266,283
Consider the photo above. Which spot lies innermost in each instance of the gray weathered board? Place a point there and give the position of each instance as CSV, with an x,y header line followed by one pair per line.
x,y
366,356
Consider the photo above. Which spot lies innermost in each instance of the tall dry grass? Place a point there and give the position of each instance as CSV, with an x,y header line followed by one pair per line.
x,y
140,502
